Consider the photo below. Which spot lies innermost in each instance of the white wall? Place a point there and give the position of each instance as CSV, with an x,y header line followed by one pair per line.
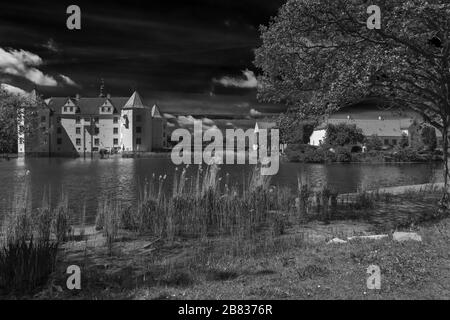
x,y
317,137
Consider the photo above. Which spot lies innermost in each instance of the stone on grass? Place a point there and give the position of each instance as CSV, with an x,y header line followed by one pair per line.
x,y
406,236
336,240
371,237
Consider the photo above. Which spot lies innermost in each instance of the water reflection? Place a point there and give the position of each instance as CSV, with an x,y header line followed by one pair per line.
x,y
86,181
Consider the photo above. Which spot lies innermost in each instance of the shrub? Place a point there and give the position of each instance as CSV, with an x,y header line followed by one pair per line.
x,y
343,155
26,265
374,143
343,134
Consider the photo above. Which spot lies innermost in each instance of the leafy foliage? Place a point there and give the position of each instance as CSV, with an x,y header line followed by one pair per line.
x,y
429,137
12,108
293,130
343,134
374,143
317,56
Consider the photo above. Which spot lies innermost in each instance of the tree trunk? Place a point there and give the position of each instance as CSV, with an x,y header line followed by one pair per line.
x,y
445,197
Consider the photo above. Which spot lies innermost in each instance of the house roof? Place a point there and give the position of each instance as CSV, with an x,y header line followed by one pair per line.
x,y
91,106
382,128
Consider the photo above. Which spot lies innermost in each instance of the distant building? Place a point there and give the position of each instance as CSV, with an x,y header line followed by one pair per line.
x,y
77,126
390,132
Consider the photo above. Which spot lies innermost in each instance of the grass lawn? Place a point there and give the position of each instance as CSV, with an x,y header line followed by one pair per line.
x,y
279,268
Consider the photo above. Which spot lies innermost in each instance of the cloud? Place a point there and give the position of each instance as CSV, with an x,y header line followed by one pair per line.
x,y
68,81
208,121
169,116
188,122
242,105
23,63
12,89
51,45
249,82
255,113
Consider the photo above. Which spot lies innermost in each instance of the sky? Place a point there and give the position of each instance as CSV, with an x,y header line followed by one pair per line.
x,y
192,57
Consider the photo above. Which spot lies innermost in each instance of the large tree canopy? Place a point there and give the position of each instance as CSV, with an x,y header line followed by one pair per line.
x,y
318,56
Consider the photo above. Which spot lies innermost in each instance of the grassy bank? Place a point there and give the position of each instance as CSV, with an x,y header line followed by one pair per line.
x,y
211,239
282,268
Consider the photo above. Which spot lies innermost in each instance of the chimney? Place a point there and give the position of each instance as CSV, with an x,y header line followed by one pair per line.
x,y
77,96
108,96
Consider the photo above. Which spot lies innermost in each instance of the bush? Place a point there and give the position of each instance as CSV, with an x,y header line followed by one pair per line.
x,y
343,134
408,155
343,155
374,143
26,265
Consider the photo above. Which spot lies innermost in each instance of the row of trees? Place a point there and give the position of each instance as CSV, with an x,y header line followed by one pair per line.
x,y
318,56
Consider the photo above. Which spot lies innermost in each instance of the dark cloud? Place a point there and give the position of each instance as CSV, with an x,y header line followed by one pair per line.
x,y
175,47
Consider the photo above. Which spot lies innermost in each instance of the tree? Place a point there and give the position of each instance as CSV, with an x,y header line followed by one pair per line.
x,y
343,134
294,130
374,142
12,107
404,143
429,137
318,56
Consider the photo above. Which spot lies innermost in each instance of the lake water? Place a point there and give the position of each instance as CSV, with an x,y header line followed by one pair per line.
x,y
87,181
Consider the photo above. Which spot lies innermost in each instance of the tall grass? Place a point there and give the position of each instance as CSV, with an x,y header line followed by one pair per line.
x,y
30,241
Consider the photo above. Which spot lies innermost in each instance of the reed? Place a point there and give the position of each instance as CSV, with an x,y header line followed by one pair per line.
x,y
30,241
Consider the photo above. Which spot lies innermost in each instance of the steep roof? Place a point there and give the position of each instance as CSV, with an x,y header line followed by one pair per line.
x,y
382,128
156,113
91,106
135,101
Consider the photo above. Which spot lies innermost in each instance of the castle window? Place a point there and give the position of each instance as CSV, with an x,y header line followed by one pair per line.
x,y
58,120
97,130
78,130
97,142
109,109
58,130
138,118
138,129
115,142
103,109
65,109
116,131
386,142
59,141
96,119
71,109
78,142
87,119
138,140
77,120
394,142
116,120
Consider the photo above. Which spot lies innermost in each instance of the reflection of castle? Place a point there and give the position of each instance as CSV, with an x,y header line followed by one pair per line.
x,y
80,126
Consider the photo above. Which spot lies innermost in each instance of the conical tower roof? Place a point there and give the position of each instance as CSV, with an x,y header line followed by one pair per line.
x,y
256,128
156,113
135,101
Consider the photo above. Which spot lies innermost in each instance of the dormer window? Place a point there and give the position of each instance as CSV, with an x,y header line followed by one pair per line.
x,y
69,107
